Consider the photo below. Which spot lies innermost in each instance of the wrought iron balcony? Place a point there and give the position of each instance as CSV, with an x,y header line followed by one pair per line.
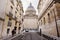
x,y
10,14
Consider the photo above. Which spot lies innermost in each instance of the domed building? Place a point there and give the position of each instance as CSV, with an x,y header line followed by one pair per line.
x,y
30,9
30,18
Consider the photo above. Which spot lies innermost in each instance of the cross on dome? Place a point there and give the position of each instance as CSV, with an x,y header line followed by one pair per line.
x,y
30,6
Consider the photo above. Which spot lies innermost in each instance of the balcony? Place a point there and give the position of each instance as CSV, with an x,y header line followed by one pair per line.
x,y
10,14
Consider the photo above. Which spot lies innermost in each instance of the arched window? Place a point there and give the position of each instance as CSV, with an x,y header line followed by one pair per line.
x,y
44,21
48,18
41,22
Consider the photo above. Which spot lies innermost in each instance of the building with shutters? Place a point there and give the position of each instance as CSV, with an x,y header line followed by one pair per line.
x,y
11,16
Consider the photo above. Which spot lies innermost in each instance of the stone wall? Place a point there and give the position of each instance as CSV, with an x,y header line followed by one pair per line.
x,y
48,25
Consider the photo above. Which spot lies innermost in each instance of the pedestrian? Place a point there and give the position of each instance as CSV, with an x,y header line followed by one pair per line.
x,y
15,28
13,32
40,32
19,30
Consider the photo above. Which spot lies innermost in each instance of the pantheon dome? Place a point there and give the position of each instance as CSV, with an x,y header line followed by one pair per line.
x,y
30,10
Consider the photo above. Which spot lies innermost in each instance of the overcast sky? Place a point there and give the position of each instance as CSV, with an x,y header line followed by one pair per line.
x,y
27,2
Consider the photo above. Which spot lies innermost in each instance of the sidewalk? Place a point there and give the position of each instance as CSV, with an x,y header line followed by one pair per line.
x,y
49,37
6,37
9,37
16,37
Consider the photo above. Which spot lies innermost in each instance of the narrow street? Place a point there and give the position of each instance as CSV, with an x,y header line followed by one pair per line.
x,y
27,36
29,19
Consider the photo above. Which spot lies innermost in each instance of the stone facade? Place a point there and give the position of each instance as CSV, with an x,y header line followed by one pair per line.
x,y
30,18
49,17
13,15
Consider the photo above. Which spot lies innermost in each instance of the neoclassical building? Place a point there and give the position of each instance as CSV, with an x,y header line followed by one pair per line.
x,y
49,17
30,18
11,16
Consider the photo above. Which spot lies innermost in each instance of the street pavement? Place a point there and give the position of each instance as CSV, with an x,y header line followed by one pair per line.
x,y
28,36
32,36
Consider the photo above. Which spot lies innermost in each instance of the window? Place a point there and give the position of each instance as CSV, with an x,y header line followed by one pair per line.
x,y
22,20
9,22
10,14
44,21
48,18
16,23
20,13
11,7
15,11
10,19
41,22
19,28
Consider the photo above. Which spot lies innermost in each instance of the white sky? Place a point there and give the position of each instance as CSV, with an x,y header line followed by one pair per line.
x,y
26,3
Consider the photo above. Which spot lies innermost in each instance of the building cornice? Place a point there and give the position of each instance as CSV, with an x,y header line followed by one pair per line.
x,y
53,2
46,10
